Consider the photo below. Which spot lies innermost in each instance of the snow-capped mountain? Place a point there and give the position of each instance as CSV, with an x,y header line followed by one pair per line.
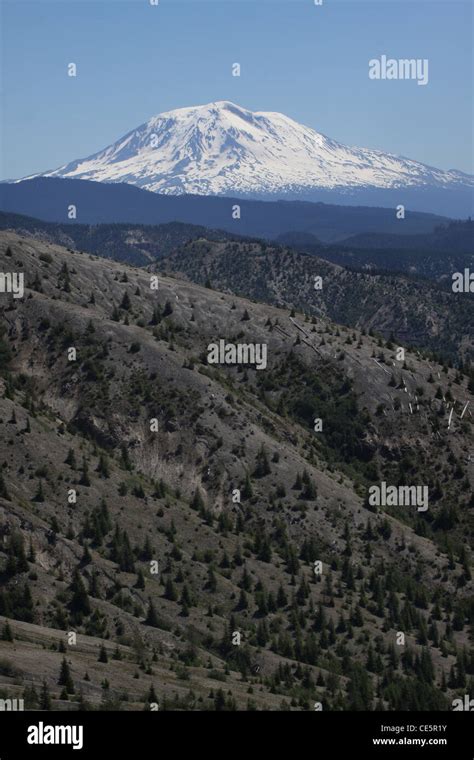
x,y
223,149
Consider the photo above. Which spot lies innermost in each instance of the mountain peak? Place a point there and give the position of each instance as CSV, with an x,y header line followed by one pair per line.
x,y
225,104
221,148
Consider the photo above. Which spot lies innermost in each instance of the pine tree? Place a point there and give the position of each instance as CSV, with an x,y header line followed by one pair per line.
x,y
125,458
263,466
152,617
151,697
7,633
64,281
102,654
39,496
79,604
156,317
298,485
197,502
65,678
3,488
103,466
309,491
147,551
247,491
121,551
71,459
359,692
86,556
168,309
170,591
211,579
140,582
186,596
281,600
126,303
242,604
16,557
30,696
84,479
45,698
94,589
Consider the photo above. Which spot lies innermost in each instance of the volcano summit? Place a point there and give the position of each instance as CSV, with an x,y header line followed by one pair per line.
x,y
223,149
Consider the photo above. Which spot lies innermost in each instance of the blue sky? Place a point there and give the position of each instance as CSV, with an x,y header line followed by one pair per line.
x,y
310,62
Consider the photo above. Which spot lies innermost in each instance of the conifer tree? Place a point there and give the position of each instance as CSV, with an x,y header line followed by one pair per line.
x,y
3,488
45,697
7,633
79,604
65,678
152,617
103,657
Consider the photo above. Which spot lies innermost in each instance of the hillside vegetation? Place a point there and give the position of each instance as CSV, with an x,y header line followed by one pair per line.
x,y
172,513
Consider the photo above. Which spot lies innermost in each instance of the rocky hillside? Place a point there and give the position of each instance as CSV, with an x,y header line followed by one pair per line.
x,y
415,312
179,534
433,256
137,244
